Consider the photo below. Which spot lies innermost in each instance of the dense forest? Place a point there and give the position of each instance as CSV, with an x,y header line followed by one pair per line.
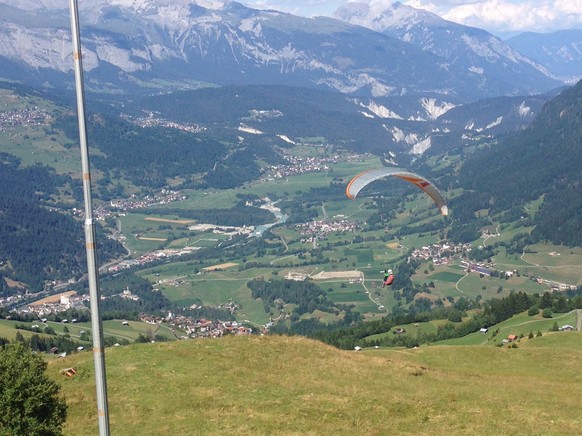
x,y
151,156
39,243
296,112
542,161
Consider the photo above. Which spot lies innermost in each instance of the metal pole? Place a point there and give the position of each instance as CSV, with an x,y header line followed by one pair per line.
x,y
92,271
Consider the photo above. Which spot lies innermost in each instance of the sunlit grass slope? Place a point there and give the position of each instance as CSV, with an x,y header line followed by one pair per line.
x,y
282,385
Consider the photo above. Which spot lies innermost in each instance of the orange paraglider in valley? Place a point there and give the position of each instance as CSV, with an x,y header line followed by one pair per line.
x,y
363,179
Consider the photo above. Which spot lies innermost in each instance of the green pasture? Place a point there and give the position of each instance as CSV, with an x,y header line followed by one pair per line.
x,y
212,289
412,330
32,146
177,236
363,256
179,282
8,331
451,280
113,328
556,341
488,287
447,276
275,385
444,277
285,261
355,210
521,324
350,293
417,240
502,234
509,262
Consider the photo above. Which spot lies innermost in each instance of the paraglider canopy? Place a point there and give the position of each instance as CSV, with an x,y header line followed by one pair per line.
x,y
363,179
388,278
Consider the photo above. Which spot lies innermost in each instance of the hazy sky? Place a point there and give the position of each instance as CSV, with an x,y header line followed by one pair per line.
x,y
496,16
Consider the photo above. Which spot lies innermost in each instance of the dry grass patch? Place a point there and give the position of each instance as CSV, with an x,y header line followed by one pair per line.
x,y
168,220
53,298
220,266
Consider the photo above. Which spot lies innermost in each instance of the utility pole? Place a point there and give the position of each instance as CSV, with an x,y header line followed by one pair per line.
x,y
90,244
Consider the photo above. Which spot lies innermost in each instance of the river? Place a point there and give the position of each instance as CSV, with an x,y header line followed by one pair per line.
x,y
281,218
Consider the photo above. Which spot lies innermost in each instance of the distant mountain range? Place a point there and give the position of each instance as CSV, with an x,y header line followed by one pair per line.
x,y
465,48
560,52
157,45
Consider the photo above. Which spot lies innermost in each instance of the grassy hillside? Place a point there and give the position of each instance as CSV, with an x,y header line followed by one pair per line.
x,y
292,385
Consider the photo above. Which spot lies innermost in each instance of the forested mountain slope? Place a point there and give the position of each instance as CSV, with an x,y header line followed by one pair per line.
x,y
38,242
543,160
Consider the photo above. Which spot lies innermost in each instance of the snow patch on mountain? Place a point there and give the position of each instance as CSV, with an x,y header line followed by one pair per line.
x,y
247,129
251,26
399,136
144,5
523,110
378,17
379,110
435,110
420,147
286,139
354,83
497,122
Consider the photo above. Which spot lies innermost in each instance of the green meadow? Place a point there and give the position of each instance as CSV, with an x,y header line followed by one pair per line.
x,y
518,325
119,329
292,385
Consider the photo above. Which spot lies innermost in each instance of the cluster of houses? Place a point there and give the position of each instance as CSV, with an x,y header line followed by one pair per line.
x,y
165,196
151,120
11,299
185,327
299,165
320,229
441,254
444,253
150,257
22,117
102,211
66,301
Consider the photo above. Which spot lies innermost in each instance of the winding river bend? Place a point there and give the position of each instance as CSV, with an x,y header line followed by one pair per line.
x,y
281,218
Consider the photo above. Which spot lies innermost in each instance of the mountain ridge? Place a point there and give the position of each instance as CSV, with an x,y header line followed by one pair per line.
x,y
189,45
462,46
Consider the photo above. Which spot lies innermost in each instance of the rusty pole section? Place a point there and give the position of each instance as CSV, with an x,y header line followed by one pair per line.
x,y
92,270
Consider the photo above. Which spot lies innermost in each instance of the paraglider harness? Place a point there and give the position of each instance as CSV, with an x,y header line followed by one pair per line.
x,y
388,278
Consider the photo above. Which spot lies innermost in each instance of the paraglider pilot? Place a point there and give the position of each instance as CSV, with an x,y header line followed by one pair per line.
x,y
388,278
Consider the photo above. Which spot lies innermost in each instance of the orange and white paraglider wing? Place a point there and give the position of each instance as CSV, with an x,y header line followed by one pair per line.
x,y
365,178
